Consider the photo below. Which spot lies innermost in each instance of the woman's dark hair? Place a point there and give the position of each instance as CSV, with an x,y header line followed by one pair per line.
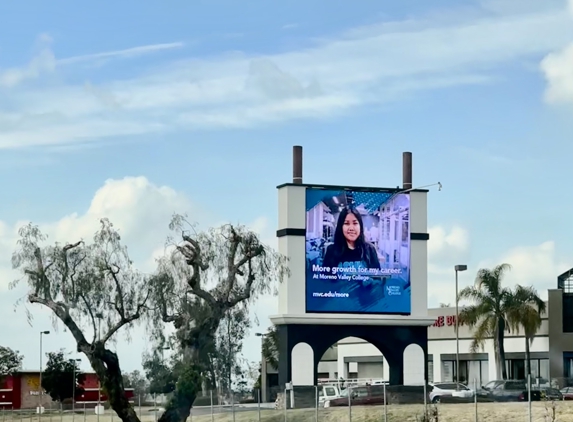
x,y
340,244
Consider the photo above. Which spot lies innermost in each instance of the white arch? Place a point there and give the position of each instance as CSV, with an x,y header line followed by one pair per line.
x,y
302,364
414,363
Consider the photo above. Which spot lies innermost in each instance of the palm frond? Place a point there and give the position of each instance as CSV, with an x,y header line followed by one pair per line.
x,y
524,309
484,330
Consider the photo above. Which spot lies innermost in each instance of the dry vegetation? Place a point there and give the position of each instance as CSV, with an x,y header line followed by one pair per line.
x,y
488,412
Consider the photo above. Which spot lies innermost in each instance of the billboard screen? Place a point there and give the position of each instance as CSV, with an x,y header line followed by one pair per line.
x,y
357,252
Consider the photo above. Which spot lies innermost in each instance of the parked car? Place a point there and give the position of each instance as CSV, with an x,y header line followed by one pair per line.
x,y
449,389
567,393
550,393
359,396
507,390
327,392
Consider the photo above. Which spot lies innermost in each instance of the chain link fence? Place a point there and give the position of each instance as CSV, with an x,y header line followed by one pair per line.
x,y
362,403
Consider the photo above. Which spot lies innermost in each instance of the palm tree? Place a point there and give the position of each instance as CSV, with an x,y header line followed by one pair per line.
x,y
488,313
526,313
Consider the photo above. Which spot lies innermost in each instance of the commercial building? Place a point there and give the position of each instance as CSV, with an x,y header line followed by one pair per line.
x,y
22,391
551,349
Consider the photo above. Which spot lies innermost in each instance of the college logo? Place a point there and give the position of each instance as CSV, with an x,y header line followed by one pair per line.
x,y
393,290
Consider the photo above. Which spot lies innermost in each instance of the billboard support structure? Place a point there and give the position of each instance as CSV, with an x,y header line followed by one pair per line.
x,y
397,254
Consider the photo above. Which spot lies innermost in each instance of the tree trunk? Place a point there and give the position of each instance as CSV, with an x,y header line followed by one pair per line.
x,y
527,359
106,365
500,338
178,409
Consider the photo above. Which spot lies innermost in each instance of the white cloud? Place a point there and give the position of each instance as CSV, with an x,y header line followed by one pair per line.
x,y
372,64
537,266
558,70
126,53
447,247
44,61
444,242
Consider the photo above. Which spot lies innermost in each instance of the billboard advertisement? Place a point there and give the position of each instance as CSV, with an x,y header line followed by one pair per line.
x,y
357,252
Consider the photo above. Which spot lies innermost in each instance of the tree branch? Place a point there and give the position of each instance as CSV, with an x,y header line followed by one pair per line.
x,y
66,272
192,253
126,320
63,314
92,316
119,303
231,266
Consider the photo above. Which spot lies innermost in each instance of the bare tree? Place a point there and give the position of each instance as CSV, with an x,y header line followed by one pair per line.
x,y
87,286
202,276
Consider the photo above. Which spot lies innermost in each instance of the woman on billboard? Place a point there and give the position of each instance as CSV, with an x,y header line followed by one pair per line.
x,y
350,249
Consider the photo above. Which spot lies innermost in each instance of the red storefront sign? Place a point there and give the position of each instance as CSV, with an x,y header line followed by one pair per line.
x,y
448,320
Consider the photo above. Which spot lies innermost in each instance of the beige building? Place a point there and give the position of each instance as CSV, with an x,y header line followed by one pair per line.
x,y
551,350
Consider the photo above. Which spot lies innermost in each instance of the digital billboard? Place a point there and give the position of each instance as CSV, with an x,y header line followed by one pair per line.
x,y
357,252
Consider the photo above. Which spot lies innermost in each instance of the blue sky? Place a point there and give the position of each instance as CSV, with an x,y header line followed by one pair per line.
x,y
204,101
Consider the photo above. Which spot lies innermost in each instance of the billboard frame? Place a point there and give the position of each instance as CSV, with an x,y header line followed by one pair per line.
x,y
394,191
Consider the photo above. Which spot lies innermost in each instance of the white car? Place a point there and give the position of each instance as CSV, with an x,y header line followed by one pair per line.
x,y
449,389
327,393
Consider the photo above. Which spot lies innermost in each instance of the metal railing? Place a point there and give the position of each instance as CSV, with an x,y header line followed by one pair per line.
x,y
362,403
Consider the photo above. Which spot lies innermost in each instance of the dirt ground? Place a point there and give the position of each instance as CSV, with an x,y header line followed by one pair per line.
x,y
487,412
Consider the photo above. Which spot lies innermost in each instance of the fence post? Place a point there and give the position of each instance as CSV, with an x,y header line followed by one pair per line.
x,y
285,404
212,410
529,396
349,404
476,397
84,411
233,403
425,397
155,406
139,403
385,404
61,412
316,401
259,403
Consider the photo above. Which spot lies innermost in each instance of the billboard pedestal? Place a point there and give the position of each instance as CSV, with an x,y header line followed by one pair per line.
x,y
390,339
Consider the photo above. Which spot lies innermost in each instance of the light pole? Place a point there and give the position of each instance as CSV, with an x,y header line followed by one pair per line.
x,y
74,361
99,317
457,269
42,333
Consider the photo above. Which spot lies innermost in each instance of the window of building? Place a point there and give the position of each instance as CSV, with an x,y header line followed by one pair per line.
x,y
568,285
431,371
471,372
568,364
448,371
517,370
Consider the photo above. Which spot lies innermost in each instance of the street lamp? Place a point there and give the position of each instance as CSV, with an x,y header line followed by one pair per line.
x,y
42,333
99,317
457,269
74,361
